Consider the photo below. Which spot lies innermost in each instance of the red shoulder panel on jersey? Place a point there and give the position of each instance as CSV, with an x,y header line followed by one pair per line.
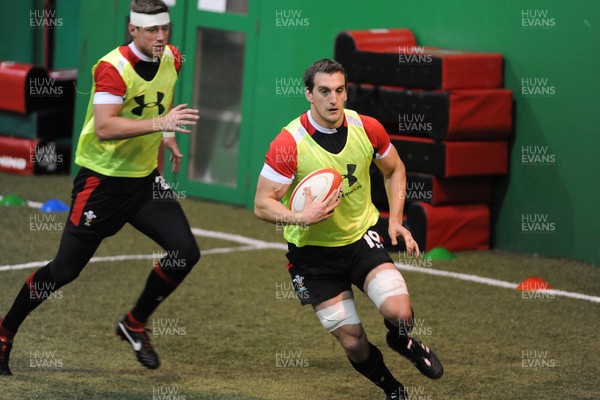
x,y
283,154
109,80
377,134
177,57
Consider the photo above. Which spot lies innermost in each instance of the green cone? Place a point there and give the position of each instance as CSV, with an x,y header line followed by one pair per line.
x,y
438,253
13,200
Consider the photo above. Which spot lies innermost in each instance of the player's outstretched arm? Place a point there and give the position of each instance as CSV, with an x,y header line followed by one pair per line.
x,y
109,125
267,206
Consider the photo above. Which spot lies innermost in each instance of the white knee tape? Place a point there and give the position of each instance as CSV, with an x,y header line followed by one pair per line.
x,y
384,284
342,313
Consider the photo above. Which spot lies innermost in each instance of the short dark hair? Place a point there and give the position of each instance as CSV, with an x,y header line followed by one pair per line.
x,y
325,65
149,6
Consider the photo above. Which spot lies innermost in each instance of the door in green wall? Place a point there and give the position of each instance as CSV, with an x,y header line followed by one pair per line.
x,y
216,78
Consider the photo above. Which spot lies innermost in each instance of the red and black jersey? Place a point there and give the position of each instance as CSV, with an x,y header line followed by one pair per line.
x,y
282,156
108,79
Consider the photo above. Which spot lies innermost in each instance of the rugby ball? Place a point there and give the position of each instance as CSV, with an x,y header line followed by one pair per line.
x,y
321,182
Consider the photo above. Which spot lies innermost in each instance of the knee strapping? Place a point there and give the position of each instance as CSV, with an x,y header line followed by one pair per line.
x,y
386,283
339,314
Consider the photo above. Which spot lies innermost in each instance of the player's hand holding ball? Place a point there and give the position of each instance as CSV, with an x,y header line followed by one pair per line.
x,y
317,196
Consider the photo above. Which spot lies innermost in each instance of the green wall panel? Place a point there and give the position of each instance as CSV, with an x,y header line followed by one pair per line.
x,y
26,25
67,36
18,32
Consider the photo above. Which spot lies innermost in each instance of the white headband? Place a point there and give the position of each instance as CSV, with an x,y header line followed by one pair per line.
x,y
145,20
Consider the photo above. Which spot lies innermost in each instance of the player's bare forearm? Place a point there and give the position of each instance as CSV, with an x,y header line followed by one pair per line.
x,y
266,201
395,188
273,211
394,180
267,206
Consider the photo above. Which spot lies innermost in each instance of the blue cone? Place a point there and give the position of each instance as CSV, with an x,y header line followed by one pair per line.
x,y
54,205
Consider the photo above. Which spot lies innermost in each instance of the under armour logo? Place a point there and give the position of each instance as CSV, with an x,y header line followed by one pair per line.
x,y
140,100
350,175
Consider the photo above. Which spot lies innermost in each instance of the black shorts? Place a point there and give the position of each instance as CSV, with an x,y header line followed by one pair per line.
x,y
321,273
101,205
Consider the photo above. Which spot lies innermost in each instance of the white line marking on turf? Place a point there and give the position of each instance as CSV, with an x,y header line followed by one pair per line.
x,y
492,282
256,244
458,275
125,257
261,244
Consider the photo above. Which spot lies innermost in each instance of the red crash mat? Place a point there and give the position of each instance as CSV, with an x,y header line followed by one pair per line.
x,y
396,60
17,155
436,191
440,191
34,156
483,114
452,159
456,227
24,87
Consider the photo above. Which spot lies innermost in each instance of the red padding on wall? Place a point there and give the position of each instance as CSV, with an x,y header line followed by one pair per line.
x,y
456,228
381,40
476,158
400,62
480,114
20,83
477,114
450,190
468,70
437,191
452,159
17,155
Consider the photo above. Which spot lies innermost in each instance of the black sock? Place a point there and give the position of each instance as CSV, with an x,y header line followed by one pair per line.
x,y
374,369
36,289
158,287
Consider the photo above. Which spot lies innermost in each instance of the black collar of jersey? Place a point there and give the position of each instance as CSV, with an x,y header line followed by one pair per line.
x,y
332,142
